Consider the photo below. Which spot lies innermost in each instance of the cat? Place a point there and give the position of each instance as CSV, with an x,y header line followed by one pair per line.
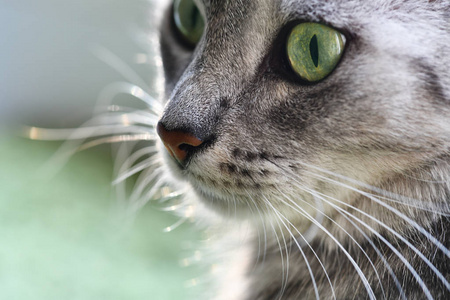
x,y
321,127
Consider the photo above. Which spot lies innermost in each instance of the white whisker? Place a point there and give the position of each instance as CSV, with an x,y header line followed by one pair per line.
x,y
173,207
300,210
143,181
235,207
415,274
259,235
137,203
171,196
316,196
114,89
397,212
139,167
136,169
399,255
263,226
123,151
119,65
389,196
439,274
284,262
306,242
180,222
44,134
380,255
117,139
280,216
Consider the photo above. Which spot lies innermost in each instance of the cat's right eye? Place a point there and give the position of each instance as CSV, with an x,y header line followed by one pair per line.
x,y
188,20
314,50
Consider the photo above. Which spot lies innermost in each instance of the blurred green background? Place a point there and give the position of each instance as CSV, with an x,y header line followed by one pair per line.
x,y
60,236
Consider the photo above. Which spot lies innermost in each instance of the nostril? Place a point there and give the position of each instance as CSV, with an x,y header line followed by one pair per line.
x,y
187,147
178,142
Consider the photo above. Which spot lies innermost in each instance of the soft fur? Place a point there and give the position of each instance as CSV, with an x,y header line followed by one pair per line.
x,y
351,171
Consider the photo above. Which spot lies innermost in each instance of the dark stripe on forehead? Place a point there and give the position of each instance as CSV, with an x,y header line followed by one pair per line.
x,y
227,22
431,82
233,8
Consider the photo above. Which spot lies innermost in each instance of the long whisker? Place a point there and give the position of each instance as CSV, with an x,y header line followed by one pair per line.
x,y
305,242
259,234
313,193
284,264
262,223
316,194
172,196
139,167
432,267
388,196
143,181
415,274
75,141
399,255
136,169
132,158
235,206
82,133
119,65
122,153
114,89
137,204
180,222
380,255
281,217
116,139
397,212
300,210
312,231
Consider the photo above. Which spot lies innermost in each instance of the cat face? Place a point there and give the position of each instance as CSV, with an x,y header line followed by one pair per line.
x,y
266,138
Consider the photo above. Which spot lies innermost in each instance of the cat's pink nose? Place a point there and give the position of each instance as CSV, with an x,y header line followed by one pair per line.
x,y
178,143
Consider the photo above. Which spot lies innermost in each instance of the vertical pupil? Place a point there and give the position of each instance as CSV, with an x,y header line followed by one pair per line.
x,y
314,50
194,16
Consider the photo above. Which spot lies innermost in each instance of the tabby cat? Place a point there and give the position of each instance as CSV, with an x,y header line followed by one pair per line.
x,y
317,133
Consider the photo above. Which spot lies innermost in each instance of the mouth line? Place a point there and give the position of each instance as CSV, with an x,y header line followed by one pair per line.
x,y
212,194
208,192
226,206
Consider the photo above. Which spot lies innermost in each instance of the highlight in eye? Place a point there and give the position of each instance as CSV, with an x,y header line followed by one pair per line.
x,y
188,20
314,50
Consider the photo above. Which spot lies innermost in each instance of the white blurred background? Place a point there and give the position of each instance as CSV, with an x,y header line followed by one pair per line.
x,y
49,72
59,236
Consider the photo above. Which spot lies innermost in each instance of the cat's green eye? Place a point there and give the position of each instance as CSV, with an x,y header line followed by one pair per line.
x,y
314,50
188,20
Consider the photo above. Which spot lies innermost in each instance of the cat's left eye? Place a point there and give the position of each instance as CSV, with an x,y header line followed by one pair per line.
x,y
314,50
188,20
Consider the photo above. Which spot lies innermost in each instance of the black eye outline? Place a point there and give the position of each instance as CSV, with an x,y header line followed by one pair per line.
x,y
314,50
277,61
